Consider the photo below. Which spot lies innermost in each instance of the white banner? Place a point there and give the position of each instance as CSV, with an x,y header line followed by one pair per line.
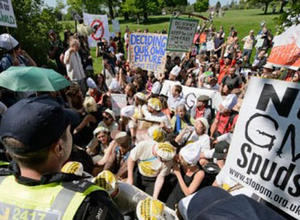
x,y
7,16
181,34
99,25
116,25
264,154
118,101
191,94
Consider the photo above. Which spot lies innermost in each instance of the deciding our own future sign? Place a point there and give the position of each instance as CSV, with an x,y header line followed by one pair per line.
x,y
148,51
181,34
264,154
7,16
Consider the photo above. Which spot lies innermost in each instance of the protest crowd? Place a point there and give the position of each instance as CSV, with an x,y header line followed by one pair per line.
x,y
128,126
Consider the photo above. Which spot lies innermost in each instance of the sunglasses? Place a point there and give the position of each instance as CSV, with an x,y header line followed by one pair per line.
x,y
107,118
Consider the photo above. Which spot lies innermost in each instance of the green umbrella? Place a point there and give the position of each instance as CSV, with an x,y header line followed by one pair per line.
x,y
22,79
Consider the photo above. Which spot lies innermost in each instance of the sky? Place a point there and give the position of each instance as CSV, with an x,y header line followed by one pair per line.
x,y
211,2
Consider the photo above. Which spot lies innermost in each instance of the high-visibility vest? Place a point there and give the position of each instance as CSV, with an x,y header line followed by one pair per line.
x,y
41,202
3,163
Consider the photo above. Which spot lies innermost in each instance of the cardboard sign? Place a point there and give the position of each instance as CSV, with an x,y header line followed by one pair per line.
x,y
148,51
264,154
116,25
99,25
181,34
118,101
7,16
286,49
191,94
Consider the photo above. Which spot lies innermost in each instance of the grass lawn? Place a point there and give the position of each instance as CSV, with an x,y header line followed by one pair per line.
x,y
242,20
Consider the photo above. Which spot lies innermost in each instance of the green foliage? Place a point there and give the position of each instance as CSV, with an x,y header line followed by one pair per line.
x,y
34,22
130,6
201,5
289,17
264,2
145,7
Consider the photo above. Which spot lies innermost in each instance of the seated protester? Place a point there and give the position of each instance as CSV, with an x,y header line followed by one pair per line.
x,y
225,118
220,152
80,155
109,120
154,114
14,55
188,174
175,70
155,90
130,92
154,161
93,90
93,115
99,144
193,134
126,122
202,108
75,98
117,161
260,60
190,80
232,80
175,97
226,90
165,109
115,86
150,81
180,120
225,65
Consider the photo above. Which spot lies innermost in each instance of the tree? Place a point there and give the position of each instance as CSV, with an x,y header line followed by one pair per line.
x,y
218,6
130,7
201,5
58,9
265,2
138,7
282,4
34,20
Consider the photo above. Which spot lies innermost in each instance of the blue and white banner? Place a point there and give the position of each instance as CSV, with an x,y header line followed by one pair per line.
x,y
148,51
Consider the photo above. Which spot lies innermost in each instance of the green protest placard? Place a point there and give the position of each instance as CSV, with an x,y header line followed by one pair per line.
x,y
181,34
7,16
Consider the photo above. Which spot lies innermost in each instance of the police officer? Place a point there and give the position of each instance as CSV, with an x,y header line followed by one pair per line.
x,y
36,133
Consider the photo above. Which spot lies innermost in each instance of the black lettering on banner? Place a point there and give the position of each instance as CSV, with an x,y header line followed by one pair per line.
x,y
6,7
290,130
190,100
272,137
264,169
245,148
283,107
281,171
296,181
255,158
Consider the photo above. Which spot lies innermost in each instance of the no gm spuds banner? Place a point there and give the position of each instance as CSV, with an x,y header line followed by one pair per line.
x,y
264,154
148,51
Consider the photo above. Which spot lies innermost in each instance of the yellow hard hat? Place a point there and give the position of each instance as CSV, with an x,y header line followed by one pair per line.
x,y
150,209
107,181
155,103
